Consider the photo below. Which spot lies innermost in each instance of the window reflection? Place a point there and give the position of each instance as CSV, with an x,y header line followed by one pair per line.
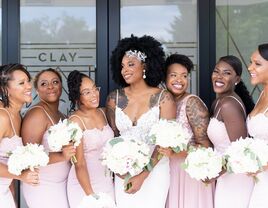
x,y
239,30
172,22
60,35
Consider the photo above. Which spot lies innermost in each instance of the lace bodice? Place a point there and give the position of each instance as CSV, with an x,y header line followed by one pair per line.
x,y
144,123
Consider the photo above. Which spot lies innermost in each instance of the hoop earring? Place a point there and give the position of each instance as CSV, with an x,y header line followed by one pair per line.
x,y
144,75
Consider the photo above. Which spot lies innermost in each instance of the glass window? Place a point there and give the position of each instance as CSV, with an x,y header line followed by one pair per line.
x,y
58,34
239,30
172,22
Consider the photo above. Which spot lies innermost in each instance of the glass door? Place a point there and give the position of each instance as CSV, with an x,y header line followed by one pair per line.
x,y
172,22
58,34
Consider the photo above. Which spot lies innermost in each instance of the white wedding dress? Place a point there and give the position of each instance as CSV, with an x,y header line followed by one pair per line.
x,y
154,190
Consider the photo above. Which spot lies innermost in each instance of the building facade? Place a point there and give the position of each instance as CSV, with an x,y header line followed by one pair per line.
x,y
80,34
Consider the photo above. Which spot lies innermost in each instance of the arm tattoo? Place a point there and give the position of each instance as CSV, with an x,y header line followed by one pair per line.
x,y
166,97
122,99
153,100
198,117
110,111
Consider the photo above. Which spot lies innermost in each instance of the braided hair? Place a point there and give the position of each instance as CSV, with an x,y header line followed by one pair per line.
x,y
74,81
6,72
154,62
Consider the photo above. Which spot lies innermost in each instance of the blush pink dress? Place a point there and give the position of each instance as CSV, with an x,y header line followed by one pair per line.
x,y
258,128
100,178
232,190
52,189
6,146
184,191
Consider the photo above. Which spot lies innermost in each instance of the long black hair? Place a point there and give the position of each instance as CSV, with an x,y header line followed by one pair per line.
x,y
263,50
240,89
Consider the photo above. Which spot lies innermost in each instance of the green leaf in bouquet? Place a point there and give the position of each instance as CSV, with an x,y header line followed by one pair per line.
x,y
115,141
127,185
73,133
176,149
184,165
149,166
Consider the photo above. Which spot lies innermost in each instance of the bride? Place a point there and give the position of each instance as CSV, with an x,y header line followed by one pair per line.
x,y
137,66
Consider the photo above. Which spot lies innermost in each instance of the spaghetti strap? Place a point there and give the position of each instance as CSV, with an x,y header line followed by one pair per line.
x,y
12,125
158,102
104,115
258,101
240,104
37,106
218,110
237,101
265,110
80,120
116,97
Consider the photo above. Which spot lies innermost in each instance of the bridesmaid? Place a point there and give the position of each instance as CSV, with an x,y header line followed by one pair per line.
x,y
192,113
88,175
228,123
258,119
53,178
15,91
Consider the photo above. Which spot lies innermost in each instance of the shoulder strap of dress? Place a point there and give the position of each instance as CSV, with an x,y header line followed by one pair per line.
x,y
218,110
104,115
259,97
117,94
37,106
12,125
244,110
80,120
159,98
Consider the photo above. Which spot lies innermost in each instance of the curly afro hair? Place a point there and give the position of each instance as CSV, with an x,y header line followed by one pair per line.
x,y
179,59
154,62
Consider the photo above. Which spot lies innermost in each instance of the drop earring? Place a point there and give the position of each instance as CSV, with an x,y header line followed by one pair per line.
x,y
144,75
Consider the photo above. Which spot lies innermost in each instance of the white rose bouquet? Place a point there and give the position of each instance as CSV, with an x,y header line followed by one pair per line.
x,y
203,163
99,200
62,134
26,157
246,155
126,156
167,133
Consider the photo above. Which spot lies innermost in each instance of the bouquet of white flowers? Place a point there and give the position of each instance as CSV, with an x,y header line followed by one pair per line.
x,y
203,163
99,200
167,133
27,157
126,156
246,155
62,134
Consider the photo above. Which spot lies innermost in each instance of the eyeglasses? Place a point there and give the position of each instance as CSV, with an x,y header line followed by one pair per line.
x,y
88,92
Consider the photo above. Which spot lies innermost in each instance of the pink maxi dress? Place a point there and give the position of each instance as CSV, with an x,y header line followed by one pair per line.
x,y
6,146
52,189
232,190
100,178
258,128
184,191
